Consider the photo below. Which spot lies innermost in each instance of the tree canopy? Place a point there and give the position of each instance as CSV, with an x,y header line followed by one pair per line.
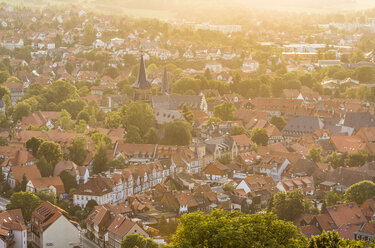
x,y
26,201
138,114
51,151
235,229
259,136
225,111
360,192
78,150
177,133
136,240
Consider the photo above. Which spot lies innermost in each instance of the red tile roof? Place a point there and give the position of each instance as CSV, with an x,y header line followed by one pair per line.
x,y
345,214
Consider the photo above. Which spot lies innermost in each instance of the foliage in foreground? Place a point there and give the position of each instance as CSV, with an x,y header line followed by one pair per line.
x,y
235,229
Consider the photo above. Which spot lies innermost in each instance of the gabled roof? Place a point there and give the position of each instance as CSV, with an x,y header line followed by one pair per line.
x,y
31,172
121,226
96,186
70,167
45,215
345,214
46,182
186,199
12,220
216,168
242,140
325,221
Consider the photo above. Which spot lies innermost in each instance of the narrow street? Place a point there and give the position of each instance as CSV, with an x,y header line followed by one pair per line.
x,y
86,243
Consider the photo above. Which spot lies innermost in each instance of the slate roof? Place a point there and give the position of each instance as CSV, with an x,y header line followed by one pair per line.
x,y
164,83
358,120
300,125
174,102
141,82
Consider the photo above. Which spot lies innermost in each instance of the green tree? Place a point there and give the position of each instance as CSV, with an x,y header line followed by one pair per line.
x,y
21,109
333,197
3,91
45,168
4,75
46,195
225,111
138,114
235,229
73,106
100,160
26,201
112,120
288,205
365,74
83,115
152,136
90,205
133,136
315,154
65,121
335,160
213,120
69,181
177,133
188,115
89,34
8,106
78,150
278,121
51,151
98,137
33,144
238,130
81,126
3,141
60,91
136,240
332,239
24,183
356,159
228,187
360,192
259,136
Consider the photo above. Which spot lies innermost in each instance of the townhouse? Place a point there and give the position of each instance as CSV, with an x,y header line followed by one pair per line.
x,y
47,220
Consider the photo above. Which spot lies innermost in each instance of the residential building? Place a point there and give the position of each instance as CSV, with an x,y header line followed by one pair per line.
x,y
120,228
98,188
13,230
304,184
50,226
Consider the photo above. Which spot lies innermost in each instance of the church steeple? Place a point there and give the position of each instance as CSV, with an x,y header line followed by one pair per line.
x,y
142,87
164,83
141,82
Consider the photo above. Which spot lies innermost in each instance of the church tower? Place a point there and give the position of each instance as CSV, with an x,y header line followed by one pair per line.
x,y
164,88
142,88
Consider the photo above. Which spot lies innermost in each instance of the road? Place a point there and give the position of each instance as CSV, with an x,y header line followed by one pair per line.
x,y
86,243
3,203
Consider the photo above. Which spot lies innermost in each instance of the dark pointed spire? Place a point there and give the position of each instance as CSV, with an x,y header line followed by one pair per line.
x,y
164,83
141,82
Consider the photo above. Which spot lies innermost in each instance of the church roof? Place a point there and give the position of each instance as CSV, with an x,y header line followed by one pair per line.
x,y
164,83
141,82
